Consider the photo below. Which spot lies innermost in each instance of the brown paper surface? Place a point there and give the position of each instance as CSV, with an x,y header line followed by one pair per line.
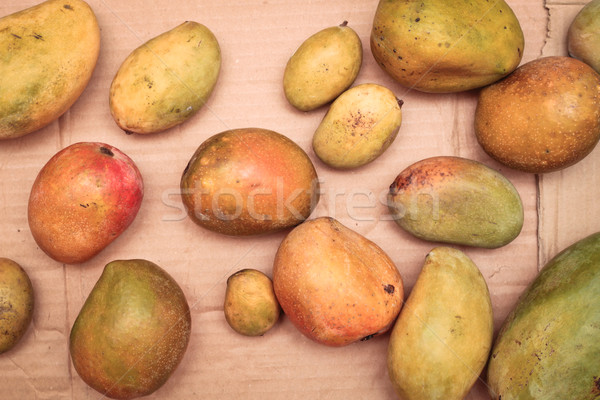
x,y
256,39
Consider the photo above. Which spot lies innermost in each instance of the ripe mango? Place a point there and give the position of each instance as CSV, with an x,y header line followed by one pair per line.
x,y
249,181
583,36
456,200
132,331
442,338
324,65
543,117
446,46
336,286
85,196
549,345
47,56
251,307
16,303
358,127
166,81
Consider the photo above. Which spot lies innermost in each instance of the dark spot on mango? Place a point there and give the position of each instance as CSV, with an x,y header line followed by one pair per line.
x,y
389,289
17,36
106,151
68,7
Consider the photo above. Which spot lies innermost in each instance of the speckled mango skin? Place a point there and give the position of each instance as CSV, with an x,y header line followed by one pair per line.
x,y
336,286
83,198
132,331
251,307
444,46
443,335
359,126
47,56
167,80
549,345
324,65
543,117
249,181
583,36
456,200
16,303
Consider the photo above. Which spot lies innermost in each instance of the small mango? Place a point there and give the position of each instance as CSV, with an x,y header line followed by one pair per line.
x,y
251,307
446,46
548,347
166,81
324,65
47,56
456,200
583,36
359,126
16,303
443,335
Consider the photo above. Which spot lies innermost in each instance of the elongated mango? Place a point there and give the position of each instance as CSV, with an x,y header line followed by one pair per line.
x,y
456,200
442,338
549,346
166,81
47,56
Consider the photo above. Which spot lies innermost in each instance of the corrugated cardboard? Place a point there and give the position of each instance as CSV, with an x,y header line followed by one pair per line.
x,y
257,38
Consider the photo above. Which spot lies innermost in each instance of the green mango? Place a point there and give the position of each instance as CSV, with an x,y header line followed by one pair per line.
x,y
16,303
456,200
583,36
442,338
446,46
549,345
132,330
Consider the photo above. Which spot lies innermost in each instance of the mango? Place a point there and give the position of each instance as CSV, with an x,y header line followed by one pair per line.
x,y
250,308
456,200
543,117
583,36
132,331
47,56
249,181
359,126
166,80
444,46
85,197
16,303
336,286
549,345
443,335
324,66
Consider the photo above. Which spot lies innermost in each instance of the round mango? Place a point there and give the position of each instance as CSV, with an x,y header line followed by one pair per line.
x,y
16,303
359,126
583,36
324,65
456,200
541,118
249,181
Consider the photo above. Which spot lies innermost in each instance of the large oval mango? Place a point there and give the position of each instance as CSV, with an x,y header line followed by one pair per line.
x,y
549,346
456,200
47,56
165,81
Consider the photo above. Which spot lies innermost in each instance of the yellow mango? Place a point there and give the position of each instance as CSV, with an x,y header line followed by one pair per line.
x,y
443,335
359,126
47,56
165,81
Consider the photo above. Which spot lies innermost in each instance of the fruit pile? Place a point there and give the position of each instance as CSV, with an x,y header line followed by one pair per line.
x,y
336,286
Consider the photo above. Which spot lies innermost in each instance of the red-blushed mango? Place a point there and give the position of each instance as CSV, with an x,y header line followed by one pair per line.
x,y
325,64
549,345
83,198
49,52
250,306
16,303
443,335
249,181
336,286
132,331
456,200
446,46
583,36
543,117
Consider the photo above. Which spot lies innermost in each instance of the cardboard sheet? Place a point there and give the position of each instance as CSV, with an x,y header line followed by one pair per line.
x,y
256,39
